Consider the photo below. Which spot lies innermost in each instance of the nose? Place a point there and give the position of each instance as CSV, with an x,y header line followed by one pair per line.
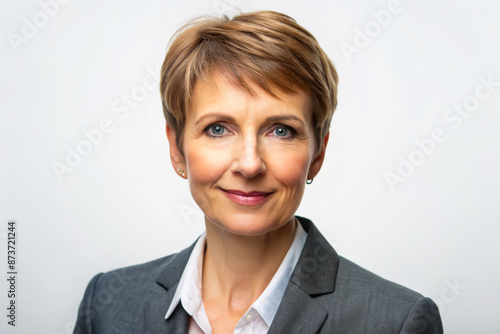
x,y
248,158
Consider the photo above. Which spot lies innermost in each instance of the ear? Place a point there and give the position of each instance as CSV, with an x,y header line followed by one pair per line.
x,y
318,160
176,157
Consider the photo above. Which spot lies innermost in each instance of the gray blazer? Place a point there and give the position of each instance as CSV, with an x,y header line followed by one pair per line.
x,y
326,294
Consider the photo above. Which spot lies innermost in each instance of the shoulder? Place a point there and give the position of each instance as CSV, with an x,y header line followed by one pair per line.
x,y
357,300
377,303
140,274
121,295
353,278
165,270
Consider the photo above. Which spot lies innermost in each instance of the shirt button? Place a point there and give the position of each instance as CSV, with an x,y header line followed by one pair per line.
x,y
249,317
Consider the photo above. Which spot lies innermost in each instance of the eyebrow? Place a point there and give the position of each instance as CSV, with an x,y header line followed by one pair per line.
x,y
284,118
221,117
271,119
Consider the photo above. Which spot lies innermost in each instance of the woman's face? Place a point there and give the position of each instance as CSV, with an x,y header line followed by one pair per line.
x,y
247,157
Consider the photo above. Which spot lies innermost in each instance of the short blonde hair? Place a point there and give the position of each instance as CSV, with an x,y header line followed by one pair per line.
x,y
269,48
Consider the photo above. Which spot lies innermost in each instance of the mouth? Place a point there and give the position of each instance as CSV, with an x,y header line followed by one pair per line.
x,y
252,198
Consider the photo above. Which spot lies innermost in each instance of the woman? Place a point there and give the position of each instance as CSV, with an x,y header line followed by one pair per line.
x,y
248,104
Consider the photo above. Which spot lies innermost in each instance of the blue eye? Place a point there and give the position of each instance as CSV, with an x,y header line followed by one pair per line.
x,y
281,131
216,130
284,131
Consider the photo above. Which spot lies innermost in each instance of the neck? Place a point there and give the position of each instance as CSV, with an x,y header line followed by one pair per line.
x,y
237,269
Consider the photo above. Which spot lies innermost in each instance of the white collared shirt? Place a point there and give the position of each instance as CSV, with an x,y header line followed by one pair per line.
x,y
258,318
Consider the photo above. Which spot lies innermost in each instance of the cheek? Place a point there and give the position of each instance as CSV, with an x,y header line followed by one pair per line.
x,y
205,166
291,168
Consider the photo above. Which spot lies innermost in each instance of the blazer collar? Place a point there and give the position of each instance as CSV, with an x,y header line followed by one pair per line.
x,y
167,279
316,271
314,275
169,275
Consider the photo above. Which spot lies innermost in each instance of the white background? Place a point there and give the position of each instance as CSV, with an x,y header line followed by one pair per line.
x,y
123,203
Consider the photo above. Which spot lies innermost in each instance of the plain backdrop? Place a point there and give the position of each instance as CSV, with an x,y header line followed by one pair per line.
x,y
70,67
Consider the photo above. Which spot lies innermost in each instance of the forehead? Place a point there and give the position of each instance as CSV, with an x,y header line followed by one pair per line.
x,y
221,93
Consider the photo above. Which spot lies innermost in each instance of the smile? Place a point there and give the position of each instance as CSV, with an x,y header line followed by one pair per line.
x,y
247,199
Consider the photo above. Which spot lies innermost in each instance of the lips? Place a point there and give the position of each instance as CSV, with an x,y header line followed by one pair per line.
x,y
247,199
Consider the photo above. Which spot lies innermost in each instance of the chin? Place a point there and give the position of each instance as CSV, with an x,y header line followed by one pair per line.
x,y
247,225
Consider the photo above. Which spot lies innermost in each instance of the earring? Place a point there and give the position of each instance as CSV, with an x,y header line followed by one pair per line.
x,y
181,172
309,181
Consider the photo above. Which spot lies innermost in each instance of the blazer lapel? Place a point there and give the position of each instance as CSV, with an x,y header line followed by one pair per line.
x,y
162,293
314,275
298,313
154,318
